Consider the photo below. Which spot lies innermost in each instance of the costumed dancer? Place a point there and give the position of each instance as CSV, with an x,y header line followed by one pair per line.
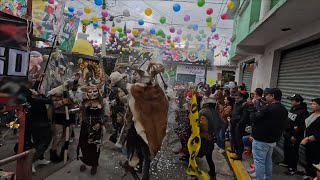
x,y
90,139
118,98
60,99
149,106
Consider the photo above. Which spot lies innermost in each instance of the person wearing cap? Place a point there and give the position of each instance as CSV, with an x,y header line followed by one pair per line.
x,y
294,133
312,139
210,125
267,128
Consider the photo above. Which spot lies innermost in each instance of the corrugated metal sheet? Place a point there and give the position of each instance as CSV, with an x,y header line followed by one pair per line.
x,y
300,74
247,78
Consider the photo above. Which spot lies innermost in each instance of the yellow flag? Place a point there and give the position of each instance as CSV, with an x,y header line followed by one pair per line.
x,y
194,142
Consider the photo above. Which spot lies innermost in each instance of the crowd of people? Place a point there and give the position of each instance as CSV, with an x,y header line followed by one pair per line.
x,y
254,123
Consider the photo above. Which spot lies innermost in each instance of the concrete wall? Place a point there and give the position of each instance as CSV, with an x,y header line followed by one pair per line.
x,y
267,65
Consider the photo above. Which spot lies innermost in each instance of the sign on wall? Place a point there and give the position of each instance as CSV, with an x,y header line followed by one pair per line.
x,y
199,72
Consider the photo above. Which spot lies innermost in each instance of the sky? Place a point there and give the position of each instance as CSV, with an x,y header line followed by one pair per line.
x,y
162,8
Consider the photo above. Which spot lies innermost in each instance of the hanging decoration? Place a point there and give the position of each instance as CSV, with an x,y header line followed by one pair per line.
x,y
140,22
148,11
87,10
209,11
163,20
201,3
186,18
171,29
79,12
104,13
210,24
230,5
176,7
71,9
98,2
209,19
224,16
94,19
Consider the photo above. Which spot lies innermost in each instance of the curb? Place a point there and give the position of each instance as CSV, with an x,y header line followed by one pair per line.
x,y
238,168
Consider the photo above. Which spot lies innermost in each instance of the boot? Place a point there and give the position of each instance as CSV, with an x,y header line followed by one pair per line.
x,y
54,156
93,170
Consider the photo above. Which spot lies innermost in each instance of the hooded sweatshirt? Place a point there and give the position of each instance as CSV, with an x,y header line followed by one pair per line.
x,y
296,118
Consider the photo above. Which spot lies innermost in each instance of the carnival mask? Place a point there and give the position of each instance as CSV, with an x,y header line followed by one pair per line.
x,y
93,93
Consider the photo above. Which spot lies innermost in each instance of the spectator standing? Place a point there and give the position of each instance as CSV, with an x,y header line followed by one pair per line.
x,y
268,126
236,134
312,139
257,99
225,114
40,125
294,133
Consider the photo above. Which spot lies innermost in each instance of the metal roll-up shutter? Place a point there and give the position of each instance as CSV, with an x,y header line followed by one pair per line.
x,y
299,73
247,78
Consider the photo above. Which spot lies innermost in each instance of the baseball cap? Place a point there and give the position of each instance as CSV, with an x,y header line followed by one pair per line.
x,y
296,97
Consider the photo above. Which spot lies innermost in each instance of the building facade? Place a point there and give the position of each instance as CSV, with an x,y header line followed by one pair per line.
x,y
276,43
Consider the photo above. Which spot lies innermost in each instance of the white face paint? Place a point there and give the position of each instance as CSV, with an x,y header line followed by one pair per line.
x,y
93,93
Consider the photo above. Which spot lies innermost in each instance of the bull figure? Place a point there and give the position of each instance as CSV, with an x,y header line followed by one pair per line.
x,y
146,120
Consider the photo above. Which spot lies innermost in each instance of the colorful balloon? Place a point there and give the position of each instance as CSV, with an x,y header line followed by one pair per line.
x,y
70,15
87,10
148,11
186,18
230,5
163,20
71,9
209,11
201,3
209,19
85,21
141,22
94,19
152,31
113,29
169,37
195,27
210,24
128,31
98,2
171,29
104,13
80,12
176,7
213,29
135,32
179,32
51,1
224,16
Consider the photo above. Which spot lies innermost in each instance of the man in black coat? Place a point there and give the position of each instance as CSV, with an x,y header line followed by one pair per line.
x,y
268,125
294,133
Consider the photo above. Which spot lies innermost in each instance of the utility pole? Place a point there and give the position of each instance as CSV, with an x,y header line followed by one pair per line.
x,y
206,65
104,38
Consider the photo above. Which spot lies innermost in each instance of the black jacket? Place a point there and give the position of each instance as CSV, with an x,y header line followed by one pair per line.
x,y
269,123
37,114
296,118
314,129
237,112
214,121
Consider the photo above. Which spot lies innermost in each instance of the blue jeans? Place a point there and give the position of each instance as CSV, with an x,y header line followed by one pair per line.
x,y
221,138
262,158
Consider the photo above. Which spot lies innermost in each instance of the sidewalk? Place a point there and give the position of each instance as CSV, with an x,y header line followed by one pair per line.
x,y
241,168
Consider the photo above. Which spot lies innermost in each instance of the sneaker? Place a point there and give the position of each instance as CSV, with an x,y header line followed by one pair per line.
x,y
43,162
290,172
33,168
253,175
282,164
221,151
